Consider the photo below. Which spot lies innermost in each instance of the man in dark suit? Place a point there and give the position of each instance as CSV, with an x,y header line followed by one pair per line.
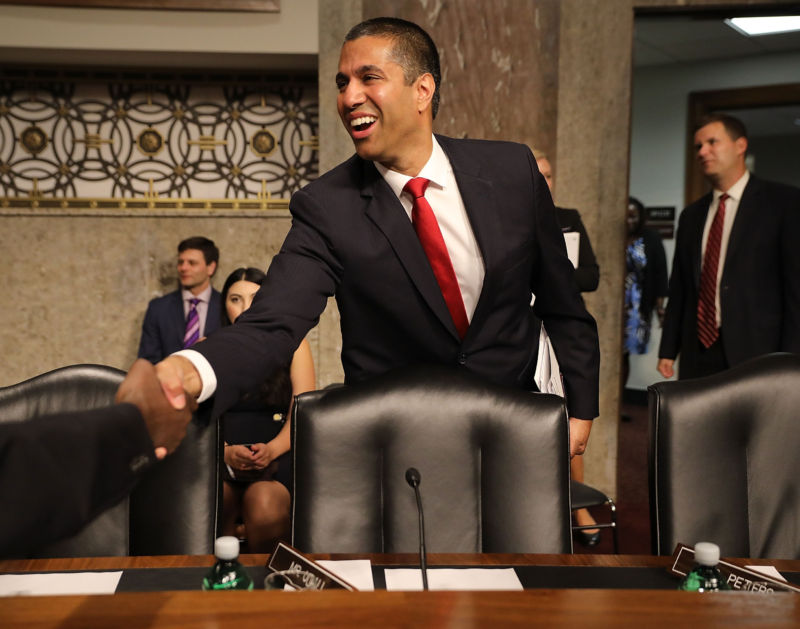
x,y
179,319
735,285
352,237
58,472
587,271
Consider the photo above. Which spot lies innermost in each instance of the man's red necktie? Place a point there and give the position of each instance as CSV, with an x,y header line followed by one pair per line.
x,y
707,330
430,236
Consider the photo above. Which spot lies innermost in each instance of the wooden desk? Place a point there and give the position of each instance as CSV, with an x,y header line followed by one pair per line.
x,y
543,607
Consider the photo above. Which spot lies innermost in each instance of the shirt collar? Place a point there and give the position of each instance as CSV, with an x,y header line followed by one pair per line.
x,y
435,169
736,191
205,296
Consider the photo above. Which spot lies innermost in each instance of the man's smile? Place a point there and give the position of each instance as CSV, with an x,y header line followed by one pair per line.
x,y
361,124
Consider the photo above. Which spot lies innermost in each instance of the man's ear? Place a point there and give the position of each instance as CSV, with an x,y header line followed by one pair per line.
x,y
213,267
426,87
741,145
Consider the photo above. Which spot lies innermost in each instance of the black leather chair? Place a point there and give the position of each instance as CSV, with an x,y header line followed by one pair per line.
x,y
73,388
725,460
174,508
494,464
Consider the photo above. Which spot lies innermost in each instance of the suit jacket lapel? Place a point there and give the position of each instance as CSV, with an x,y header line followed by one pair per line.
x,y
386,211
747,209
480,202
178,317
697,237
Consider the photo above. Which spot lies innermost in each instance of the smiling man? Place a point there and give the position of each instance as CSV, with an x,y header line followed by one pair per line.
x,y
179,319
432,247
735,285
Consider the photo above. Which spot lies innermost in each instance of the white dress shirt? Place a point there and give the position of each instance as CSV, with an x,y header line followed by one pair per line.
x,y
445,200
731,207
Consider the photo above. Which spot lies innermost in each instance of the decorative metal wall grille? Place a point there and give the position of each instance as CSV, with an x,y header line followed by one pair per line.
x,y
118,135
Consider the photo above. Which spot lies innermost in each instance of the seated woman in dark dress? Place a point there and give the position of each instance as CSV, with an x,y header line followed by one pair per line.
x,y
257,464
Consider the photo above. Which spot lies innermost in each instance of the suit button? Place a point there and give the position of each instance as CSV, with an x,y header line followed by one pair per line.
x,y
138,463
462,359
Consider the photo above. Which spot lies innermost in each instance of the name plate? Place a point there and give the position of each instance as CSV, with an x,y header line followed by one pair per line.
x,y
312,575
738,578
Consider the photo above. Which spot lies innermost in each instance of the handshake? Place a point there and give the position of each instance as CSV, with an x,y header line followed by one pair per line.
x,y
165,395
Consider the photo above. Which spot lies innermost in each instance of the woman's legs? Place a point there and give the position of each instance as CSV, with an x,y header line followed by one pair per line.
x,y
582,516
265,510
231,507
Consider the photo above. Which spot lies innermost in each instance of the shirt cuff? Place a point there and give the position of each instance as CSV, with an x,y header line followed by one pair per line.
x,y
208,378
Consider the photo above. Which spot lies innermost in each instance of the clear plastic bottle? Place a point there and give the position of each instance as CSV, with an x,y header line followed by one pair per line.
x,y
227,573
705,575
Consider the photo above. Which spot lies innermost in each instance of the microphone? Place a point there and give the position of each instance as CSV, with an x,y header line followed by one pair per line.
x,y
413,478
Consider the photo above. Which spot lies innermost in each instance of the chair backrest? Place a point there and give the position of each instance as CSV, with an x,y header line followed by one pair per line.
x,y
494,464
175,507
73,388
725,460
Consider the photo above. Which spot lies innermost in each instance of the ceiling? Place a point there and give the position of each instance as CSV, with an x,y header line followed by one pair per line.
x,y
666,39
673,39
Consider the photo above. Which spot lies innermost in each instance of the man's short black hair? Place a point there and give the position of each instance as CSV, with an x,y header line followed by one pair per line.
x,y
733,125
413,49
209,249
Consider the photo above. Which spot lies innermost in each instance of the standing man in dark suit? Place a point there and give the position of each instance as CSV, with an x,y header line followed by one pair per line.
x,y
735,285
587,271
179,319
352,236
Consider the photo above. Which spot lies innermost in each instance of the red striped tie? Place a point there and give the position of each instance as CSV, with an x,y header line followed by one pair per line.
x,y
707,330
430,236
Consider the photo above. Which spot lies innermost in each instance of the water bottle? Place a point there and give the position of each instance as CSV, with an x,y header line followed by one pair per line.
x,y
705,575
227,573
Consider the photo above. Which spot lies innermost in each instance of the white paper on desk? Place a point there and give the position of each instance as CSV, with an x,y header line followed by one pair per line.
x,y
357,572
770,571
56,583
453,579
573,240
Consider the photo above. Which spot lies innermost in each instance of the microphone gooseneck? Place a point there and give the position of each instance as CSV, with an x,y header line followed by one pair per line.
x,y
413,478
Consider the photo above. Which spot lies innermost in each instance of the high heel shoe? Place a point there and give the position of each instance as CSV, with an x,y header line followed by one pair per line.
x,y
588,539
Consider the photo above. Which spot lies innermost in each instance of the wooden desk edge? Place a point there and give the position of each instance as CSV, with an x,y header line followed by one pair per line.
x,y
407,559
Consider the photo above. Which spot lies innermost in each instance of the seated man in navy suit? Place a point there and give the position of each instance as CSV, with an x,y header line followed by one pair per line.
x,y
179,319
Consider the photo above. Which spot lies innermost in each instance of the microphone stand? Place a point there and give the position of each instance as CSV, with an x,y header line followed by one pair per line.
x,y
413,478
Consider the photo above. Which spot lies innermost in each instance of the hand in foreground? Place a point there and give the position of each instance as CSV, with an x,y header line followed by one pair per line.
x,y
166,425
178,378
666,367
578,435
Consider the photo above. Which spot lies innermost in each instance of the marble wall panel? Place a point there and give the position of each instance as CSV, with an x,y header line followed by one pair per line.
x,y
76,286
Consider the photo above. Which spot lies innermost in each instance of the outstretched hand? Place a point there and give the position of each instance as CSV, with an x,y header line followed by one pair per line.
x,y
165,423
178,378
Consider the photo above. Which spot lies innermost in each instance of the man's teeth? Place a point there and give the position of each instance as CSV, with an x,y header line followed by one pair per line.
x,y
363,120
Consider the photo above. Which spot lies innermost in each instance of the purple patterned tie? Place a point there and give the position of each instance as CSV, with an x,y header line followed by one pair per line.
x,y
192,325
